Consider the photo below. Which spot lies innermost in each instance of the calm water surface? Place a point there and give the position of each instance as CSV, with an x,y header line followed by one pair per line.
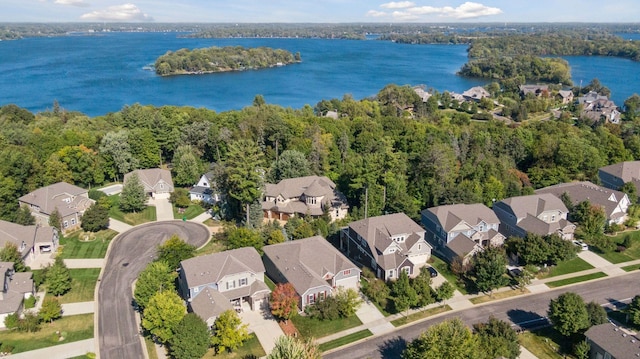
x,y
101,73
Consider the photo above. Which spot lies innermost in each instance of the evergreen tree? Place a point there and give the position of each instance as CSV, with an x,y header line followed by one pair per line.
x,y
186,166
133,198
58,278
404,296
24,216
190,339
244,167
55,219
228,332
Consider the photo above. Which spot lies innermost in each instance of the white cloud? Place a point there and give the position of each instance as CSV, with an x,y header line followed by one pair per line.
x,y
79,3
410,12
398,5
124,13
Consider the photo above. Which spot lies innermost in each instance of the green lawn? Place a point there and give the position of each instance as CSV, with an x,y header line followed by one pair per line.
x,y
83,284
213,246
420,315
631,268
350,338
544,343
190,212
151,348
498,295
443,269
250,347
96,247
582,278
146,215
314,328
631,253
269,283
571,266
72,328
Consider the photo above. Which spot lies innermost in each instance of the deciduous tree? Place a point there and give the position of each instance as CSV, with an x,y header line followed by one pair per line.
x,y
449,339
284,301
155,277
238,237
51,309
162,314
10,253
489,268
186,166
597,314
422,285
290,164
568,313
55,219
58,278
633,310
117,151
444,291
497,339
404,296
174,251
191,338
95,218
228,332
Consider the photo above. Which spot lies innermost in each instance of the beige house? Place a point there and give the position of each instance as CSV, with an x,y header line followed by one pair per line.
x,y
31,241
217,282
616,175
387,244
157,182
70,201
16,287
311,195
313,266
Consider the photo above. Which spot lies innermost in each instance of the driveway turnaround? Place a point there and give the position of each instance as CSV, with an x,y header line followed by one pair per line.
x,y
130,252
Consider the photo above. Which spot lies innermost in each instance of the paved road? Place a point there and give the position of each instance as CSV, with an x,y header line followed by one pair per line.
x,y
524,309
130,252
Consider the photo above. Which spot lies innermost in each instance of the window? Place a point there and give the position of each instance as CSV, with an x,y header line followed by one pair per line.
x,y
231,284
161,185
347,272
406,270
553,218
312,298
73,221
321,295
419,247
391,274
65,224
243,282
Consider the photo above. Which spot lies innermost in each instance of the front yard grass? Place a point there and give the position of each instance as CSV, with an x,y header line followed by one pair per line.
x,y
74,247
83,284
420,315
443,268
630,254
576,264
544,343
151,348
582,278
213,246
631,268
498,295
314,328
350,338
251,347
146,215
190,212
72,328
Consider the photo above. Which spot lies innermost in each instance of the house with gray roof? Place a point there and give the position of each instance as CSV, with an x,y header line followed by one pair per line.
x,y
598,107
387,244
616,175
203,190
476,94
16,287
217,282
535,90
461,230
304,196
541,214
313,266
70,201
31,241
614,203
612,342
157,182
565,96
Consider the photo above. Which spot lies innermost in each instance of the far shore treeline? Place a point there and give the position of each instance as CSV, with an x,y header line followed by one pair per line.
x,y
222,59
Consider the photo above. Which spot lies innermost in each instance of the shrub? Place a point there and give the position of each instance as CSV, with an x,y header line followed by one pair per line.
x,y
621,249
627,243
12,321
6,348
30,302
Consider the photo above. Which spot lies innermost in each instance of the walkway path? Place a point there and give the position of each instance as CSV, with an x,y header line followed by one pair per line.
x,y
78,308
119,226
598,262
84,263
62,351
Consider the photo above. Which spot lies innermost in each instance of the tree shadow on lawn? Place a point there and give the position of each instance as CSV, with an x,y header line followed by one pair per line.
x,y
393,348
524,319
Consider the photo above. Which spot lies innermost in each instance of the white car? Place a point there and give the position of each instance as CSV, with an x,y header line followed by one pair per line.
x,y
583,246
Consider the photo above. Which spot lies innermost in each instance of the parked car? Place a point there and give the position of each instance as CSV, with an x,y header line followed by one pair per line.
x,y
432,271
583,246
514,272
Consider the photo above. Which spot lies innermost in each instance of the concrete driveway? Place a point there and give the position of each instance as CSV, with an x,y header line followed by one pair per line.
x,y
164,209
118,330
262,323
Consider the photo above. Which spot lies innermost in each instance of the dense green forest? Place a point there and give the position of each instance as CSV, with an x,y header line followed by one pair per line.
x,y
531,68
405,160
222,59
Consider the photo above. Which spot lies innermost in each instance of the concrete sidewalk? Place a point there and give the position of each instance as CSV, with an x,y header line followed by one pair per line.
x,y
78,308
84,263
119,226
201,217
596,261
62,351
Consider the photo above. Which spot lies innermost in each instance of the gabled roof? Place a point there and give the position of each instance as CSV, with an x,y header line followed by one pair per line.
x,y
213,267
627,171
295,187
461,246
16,234
151,176
534,89
565,93
17,284
534,205
451,216
535,225
307,263
476,93
66,197
209,303
608,199
615,340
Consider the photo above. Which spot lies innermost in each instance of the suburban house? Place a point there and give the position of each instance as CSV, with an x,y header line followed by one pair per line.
x,y
311,195
608,341
70,201
541,214
424,95
565,96
15,289
217,282
203,191
387,244
461,230
597,107
616,175
614,203
313,266
157,182
536,90
475,94
31,241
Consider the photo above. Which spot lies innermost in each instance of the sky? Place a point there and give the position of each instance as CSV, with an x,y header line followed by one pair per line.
x,y
319,11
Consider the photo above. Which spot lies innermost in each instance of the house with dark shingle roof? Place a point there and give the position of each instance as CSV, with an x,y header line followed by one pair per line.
x,y
614,203
610,341
387,244
541,214
157,182
70,201
302,196
31,241
461,230
203,190
16,287
313,266
616,175
565,96
217,282
536,90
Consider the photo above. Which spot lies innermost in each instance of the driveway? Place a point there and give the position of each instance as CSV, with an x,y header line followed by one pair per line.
x,y
263,325
129,253
164,208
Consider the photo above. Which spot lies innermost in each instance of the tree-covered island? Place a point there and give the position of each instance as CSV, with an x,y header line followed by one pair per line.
x,y
222,59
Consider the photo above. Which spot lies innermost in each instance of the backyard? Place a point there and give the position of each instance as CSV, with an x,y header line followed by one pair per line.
x,y
74,246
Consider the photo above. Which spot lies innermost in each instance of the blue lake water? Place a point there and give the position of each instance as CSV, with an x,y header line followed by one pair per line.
x,y
101,73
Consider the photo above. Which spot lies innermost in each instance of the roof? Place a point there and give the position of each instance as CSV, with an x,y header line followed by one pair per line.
x,y
627,171
534,205
452,215
565,93
534,89
307,263
16,234
295,187
608,199
476,93
200,190
18,285
461,246
209,303
151,176
213,267
536,225
64,196
615,340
